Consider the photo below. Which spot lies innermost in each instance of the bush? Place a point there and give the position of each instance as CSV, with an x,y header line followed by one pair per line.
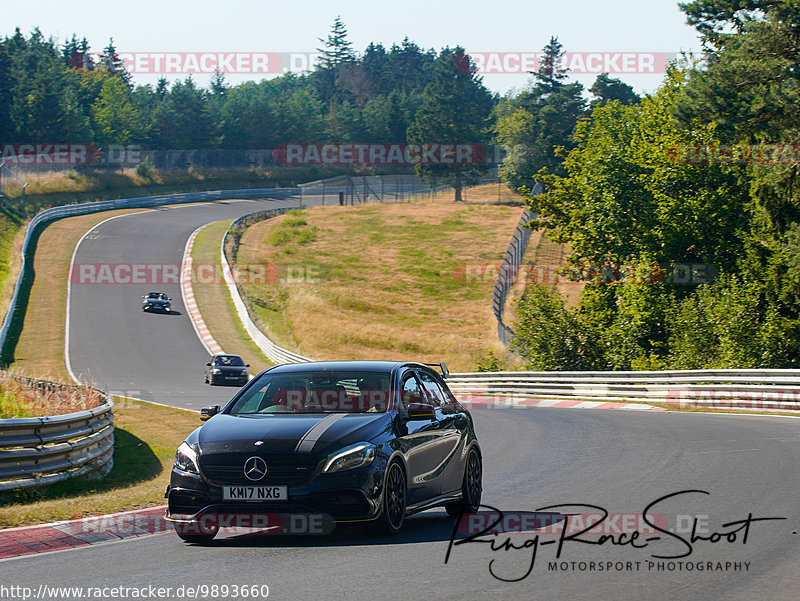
x,y
637,337
729,324
488,361
549,336
145,168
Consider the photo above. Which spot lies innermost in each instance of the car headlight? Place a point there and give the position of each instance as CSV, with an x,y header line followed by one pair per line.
x,y
216,371
357,455
244,372
186,459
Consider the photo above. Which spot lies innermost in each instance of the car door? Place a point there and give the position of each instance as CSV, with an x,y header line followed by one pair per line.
x,y
420,442
453,433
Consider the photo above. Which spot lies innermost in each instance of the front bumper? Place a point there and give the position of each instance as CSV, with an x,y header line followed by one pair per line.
x,y
351,496
160,308
223,378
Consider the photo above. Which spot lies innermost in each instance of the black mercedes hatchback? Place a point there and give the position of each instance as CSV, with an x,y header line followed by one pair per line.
x,y
346,442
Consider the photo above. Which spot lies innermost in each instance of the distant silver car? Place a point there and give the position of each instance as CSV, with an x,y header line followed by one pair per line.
x,y
227,369
156,301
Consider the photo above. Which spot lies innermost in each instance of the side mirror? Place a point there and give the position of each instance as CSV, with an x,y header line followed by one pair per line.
x,y
208,412
247,365
421,411
208,364
169,299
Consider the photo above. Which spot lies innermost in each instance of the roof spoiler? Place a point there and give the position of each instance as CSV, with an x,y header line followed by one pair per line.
x,y
442,367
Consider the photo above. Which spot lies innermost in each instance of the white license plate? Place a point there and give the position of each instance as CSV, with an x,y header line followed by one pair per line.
x,y
255,493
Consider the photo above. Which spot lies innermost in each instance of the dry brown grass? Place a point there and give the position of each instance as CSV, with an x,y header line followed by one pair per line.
x,y
391,281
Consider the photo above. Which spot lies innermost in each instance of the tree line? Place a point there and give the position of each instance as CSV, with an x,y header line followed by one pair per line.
x,y
51,92
701,174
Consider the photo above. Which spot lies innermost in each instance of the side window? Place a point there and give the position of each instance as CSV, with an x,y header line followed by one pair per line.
x,y
411,391
435,392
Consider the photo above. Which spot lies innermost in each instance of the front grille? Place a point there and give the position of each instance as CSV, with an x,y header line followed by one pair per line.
x,y
282,468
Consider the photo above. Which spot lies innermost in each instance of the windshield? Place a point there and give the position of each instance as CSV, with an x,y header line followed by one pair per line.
x,y
234,360
316,392
157,295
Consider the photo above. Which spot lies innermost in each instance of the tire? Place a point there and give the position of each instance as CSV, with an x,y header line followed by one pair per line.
x,y
471,487
395,496
196,532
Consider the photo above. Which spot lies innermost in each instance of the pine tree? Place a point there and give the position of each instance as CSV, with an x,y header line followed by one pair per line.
x,y
337,48
112,63
218,84
455,110
551,71
162,87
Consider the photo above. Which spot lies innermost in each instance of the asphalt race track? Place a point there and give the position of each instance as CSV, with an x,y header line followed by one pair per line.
x,y
115,345
618,461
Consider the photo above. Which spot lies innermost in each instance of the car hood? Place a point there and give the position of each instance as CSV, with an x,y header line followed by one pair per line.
x,y
319,433
229,367
156,301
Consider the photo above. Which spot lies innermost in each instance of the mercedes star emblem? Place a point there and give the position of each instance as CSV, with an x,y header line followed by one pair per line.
x,y
255,468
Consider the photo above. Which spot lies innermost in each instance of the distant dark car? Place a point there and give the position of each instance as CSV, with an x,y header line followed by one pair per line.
x,y
156,301
355,441
227,369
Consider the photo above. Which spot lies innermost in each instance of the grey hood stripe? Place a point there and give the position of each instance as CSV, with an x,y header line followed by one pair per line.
x,y
310,438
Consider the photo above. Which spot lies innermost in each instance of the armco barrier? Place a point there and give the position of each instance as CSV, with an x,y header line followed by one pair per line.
x,y
38,451
272,351
95,207
775,389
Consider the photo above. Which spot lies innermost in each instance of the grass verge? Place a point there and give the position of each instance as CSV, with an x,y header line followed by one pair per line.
x,y
146,437
39,349
380,281
214,300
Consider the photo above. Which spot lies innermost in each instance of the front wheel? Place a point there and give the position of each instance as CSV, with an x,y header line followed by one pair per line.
x,y
393,509
196,532
471,487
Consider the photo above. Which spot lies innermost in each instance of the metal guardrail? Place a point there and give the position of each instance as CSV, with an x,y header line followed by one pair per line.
x,y
54,213
272,351
365,188
39,451
509,269
721,388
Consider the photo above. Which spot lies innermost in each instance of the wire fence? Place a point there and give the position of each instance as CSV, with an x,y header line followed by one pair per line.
x,y
350,190
509,269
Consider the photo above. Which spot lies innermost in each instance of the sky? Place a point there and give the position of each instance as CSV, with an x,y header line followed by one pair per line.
x,y
250,40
